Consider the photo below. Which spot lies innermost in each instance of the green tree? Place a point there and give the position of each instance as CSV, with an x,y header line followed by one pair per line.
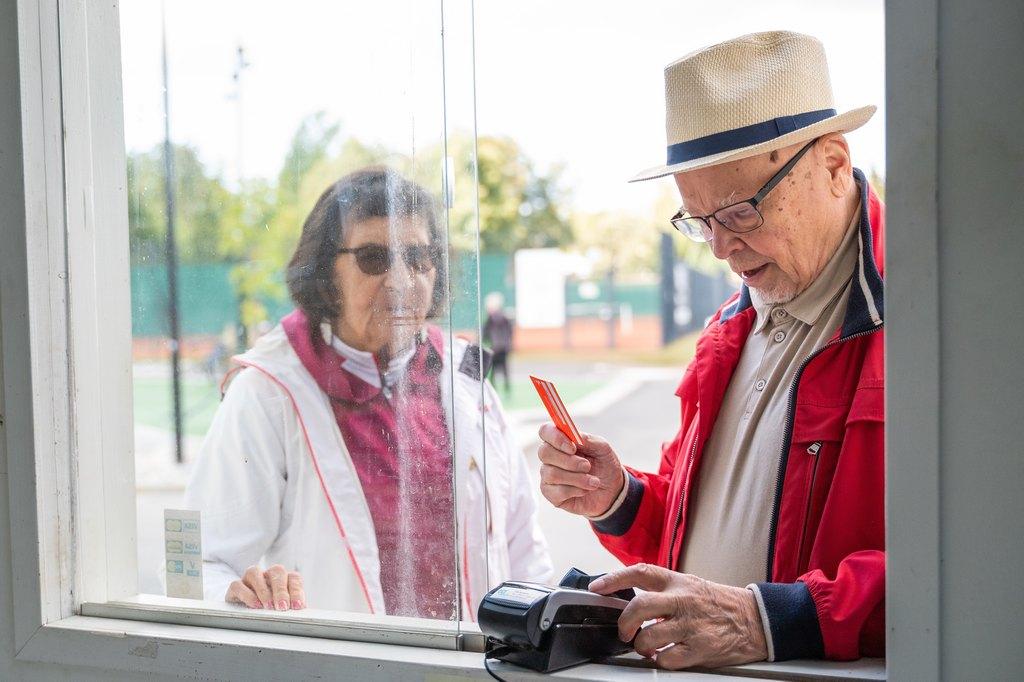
x,y
256,270
619,240
519,208
310,145
261,224
266,221
352,154
201,203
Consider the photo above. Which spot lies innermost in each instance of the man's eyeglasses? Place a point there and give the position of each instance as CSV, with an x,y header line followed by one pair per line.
x,y
376,259
741,217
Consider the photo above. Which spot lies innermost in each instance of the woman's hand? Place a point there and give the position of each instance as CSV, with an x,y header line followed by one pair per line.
x,y
583,480
276,589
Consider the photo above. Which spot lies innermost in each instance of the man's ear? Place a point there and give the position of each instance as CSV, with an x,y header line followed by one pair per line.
x,y
834,153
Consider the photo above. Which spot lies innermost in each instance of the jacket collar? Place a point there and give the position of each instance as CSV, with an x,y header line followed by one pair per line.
x,y
327,366
865,309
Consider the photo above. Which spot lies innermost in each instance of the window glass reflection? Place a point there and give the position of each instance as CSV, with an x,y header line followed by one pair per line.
x,y
306,368
331,453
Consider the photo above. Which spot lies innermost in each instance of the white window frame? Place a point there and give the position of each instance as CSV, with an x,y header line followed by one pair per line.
x,y
73,498
75,573
90,329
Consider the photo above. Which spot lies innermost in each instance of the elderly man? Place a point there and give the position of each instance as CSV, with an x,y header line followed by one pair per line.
x,y
761,536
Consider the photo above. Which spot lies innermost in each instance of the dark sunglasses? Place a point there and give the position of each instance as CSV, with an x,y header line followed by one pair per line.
x,y
376,259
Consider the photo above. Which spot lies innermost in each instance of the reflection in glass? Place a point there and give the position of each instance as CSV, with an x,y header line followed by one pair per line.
x,y
331,466
346,453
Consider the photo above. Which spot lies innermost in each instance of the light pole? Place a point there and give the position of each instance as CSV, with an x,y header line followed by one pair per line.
x,y
172,256
236,76
240,65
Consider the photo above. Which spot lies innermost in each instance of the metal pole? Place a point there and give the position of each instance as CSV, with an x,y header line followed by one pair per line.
x,y
240,66
172,260
668,290
613,317
566,327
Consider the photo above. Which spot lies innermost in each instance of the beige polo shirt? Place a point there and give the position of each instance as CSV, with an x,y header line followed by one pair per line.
x,y
728,522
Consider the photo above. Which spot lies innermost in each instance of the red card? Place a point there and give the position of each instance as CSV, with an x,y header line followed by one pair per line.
x,y
556,408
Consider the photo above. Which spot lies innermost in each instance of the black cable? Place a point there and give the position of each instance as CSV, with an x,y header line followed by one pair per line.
x,y
487,667
496,651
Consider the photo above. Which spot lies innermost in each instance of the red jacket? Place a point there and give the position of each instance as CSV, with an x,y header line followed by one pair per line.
x,y
824,589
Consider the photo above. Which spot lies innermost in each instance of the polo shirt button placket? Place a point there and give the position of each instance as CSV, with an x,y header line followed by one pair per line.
x,y
780,336
760,384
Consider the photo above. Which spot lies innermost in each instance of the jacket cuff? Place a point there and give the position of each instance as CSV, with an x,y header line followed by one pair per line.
x,y
618,500
790,621
620,520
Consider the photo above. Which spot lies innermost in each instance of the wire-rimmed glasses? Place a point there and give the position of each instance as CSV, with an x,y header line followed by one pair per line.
x,y
741,217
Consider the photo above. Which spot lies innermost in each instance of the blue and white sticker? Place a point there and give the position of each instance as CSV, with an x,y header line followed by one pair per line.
x,y
183,553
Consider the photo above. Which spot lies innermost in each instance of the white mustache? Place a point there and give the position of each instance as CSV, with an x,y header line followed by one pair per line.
x,y
738,270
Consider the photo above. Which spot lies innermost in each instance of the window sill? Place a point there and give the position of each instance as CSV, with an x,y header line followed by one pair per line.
x,y
147,648
313,623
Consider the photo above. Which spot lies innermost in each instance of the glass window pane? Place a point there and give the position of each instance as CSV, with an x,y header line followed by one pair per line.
x,y
303,279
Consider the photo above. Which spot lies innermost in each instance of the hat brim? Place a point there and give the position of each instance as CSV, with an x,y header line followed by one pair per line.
x,y
841,123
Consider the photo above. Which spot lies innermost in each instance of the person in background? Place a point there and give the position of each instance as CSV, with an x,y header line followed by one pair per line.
x,y
215,363
344,468
762,533
497,334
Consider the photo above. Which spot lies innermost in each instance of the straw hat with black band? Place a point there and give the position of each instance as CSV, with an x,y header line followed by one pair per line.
x,y
748,96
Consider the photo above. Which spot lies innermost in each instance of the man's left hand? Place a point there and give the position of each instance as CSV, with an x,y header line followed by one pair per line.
x,y
700,623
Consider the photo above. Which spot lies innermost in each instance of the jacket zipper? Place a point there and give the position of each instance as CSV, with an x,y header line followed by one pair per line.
x,y
787,440
682,498
814,450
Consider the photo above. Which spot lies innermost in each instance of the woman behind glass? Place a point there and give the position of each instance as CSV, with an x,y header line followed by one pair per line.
x,y
327,478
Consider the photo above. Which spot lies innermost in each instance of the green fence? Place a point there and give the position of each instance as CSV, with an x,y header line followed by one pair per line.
x,y
642,298
496,274
208,301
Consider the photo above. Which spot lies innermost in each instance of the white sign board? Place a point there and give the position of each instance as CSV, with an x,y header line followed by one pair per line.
x,y
540,288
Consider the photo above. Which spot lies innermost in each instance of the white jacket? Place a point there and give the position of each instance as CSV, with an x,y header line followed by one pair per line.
x,y
276,485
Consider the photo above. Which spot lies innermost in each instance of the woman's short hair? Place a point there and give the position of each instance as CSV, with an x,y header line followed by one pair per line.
x,y
374,192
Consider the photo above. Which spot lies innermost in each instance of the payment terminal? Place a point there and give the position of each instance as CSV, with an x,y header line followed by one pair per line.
x,y
551,628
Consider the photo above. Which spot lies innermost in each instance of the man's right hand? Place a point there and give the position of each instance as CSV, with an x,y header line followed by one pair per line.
x,y
276,588
584,480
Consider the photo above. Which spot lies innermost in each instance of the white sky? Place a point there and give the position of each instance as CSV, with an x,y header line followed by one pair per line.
x,y
573,81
